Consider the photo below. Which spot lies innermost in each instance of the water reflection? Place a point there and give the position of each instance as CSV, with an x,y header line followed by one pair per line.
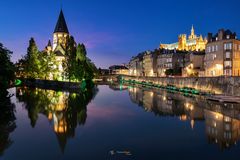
x,y
222,121
7,123
64,110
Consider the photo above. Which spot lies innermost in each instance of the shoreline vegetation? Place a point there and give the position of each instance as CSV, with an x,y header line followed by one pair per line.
x,y
73,66
7,76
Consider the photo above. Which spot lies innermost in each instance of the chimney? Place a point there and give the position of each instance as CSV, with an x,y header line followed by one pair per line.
x,y
220,34
209,37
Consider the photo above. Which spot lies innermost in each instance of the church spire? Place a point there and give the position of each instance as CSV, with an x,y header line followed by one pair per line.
x,y
61,26
192,31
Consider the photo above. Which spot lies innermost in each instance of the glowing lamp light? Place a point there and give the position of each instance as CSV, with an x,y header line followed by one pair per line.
x,y
219,66
18,82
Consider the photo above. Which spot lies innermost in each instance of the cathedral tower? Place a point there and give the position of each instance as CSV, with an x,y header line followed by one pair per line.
x,y
61,32
192,36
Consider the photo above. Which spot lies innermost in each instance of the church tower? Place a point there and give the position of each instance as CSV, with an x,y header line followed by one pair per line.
x,y
192,36
60,33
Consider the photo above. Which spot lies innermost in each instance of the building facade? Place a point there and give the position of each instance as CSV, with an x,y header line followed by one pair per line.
x,y
170,59
192,43
222,54
150,64
119,70
136,65
194,65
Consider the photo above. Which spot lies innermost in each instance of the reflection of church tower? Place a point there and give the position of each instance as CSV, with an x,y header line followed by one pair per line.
x,y
61,32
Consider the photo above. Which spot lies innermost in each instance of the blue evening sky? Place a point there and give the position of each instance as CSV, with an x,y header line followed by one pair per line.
x,y
113,30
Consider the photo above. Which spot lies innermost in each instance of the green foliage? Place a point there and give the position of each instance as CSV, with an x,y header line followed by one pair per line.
x,y
36,64
79,66
169,72
43,65
7,70
33,63
177,70
48,63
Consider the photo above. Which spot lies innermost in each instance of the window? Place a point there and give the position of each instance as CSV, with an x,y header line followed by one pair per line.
x,y
228,36
228,55
216,47
227,119
209,49
228,46
214,56
213,48
227,63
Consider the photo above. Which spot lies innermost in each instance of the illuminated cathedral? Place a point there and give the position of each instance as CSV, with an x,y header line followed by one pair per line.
x,y
192,43
60,36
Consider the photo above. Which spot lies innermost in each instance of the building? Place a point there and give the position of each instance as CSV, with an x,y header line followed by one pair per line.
x,y
193,43
222,54
60,37
171,60
119,70
195,64
136,65
150,64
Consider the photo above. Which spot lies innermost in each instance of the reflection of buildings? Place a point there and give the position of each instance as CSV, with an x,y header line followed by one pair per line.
x,y
221,129
65,110
222,124
117,86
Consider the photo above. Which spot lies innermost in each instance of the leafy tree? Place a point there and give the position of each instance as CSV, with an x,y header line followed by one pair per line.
x,y
7,70
33,63
70,58
169,72
47,65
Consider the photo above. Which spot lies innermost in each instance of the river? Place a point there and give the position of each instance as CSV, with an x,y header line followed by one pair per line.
x,y
117,122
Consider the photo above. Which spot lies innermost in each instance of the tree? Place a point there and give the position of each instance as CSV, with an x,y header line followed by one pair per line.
x,y
70,56
33,63
47,65
7,70
169,72
84,64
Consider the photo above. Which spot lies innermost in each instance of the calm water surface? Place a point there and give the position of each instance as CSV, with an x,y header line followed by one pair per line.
x,y
150,124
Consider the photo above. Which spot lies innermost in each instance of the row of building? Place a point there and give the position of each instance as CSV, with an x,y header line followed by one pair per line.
x,y
216,55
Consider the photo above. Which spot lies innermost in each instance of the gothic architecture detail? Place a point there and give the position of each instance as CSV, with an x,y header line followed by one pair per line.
x,y
193,43
58,47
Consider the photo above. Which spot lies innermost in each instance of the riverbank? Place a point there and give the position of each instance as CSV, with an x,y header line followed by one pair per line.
x,y
213,85
54,85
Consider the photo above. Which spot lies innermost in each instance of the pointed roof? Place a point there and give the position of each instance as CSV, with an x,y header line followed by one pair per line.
x,y
49,43
192,30
61,25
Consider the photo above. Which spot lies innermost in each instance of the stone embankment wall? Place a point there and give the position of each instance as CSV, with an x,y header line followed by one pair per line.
x,y
217,85
56,85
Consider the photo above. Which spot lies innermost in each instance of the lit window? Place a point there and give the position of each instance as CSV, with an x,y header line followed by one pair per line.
x,y
227,119
228,46
227,63
213,48
216,47
228,55
228,36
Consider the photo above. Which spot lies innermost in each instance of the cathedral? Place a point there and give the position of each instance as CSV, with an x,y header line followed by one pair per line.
x,y
58,46
192,43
